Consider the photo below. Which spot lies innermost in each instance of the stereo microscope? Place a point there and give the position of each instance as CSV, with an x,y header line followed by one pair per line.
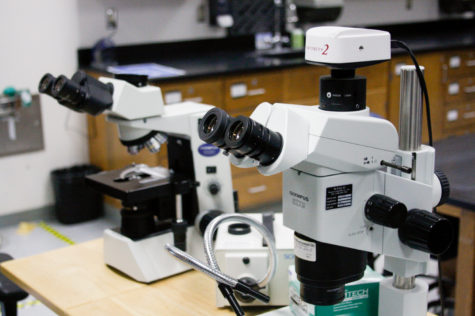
x,y
160,206
351,184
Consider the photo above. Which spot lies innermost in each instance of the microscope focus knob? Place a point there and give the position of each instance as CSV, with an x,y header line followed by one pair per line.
x,y
213,188
445,186
204,218
383,210
426,231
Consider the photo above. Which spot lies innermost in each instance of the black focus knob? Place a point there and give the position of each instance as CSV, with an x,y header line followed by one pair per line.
x,y
444,184
213,188
426,231
203,219
383,210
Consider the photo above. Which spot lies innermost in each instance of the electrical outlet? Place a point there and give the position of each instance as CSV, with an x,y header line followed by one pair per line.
x,y
112,18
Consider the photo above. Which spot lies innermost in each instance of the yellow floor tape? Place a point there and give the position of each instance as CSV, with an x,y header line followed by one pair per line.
x,y
59,236
55,233
28,304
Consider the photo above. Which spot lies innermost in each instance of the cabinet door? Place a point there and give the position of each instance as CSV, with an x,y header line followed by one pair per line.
x,y
208,91
302,84
458,63
377,77
255,189
459,118
433,77
459,90
245,92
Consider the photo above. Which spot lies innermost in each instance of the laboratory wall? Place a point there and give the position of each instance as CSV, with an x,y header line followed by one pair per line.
x,y
165,20
377,12
39,37
144,21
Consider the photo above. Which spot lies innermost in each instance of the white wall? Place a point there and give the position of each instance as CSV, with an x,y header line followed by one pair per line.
x,y
144,21
374,12
39,37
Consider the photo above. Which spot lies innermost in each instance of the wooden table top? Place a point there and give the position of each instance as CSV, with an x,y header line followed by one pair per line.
x,y
75,281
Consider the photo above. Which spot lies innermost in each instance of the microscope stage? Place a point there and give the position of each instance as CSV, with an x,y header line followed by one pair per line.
x,y
140,188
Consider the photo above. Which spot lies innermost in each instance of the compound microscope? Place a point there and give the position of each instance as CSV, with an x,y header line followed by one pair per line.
x,y
160,206
351,184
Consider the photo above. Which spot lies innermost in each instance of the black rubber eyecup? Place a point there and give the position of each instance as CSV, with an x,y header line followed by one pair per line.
x,y
213,127
46,84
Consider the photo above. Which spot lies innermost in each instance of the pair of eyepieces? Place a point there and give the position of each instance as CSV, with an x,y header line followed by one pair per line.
x,y
81,93
241,136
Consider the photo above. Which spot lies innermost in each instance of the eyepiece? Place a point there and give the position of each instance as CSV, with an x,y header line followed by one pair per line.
x,y
241,136
66,90
59,84
81,93
249,138
46,84
213,127
236,131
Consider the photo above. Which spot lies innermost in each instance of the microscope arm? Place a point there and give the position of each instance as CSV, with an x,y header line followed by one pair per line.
x,y
175,120
338,141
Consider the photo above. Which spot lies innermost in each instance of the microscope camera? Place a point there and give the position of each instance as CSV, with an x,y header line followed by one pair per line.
x,y
351,184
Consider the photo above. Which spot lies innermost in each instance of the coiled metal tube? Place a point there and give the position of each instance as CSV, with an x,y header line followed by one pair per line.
x,y
213,269
268,237
201,266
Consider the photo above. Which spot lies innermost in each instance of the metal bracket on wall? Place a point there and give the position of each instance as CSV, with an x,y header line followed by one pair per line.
x,y
21,129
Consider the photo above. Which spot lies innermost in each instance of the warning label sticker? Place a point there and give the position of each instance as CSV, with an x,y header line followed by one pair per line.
x,y
339,196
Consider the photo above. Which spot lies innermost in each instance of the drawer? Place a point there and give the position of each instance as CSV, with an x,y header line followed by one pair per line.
x,y
458,63
459,116
255,189
247,91
302,83
460,90
203,91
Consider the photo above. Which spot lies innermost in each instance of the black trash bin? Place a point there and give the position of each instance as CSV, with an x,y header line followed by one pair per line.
x,y
76,202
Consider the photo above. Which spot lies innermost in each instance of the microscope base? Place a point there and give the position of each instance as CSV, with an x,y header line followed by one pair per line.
x,y
397,302
146,260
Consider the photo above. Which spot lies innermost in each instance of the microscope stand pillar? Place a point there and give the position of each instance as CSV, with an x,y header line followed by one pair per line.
x,y
397,302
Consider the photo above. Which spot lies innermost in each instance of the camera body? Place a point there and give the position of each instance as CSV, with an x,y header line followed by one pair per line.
x,y
344,47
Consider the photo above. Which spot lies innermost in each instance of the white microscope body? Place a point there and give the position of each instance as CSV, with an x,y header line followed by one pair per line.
x,y
146,260
332,158
144,121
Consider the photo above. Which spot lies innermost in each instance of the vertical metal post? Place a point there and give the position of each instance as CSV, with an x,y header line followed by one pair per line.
x,y
410,110
178,208
404,283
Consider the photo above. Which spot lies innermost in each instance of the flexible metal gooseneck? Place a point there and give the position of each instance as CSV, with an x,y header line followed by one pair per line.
x,y
227,283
